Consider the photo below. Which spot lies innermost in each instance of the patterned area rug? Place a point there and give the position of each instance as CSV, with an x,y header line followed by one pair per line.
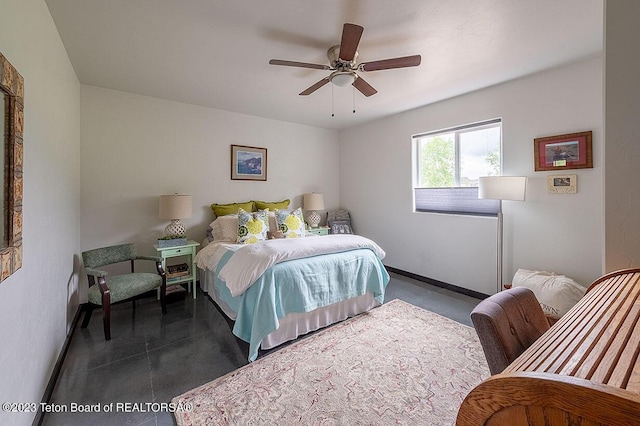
x,y
397,364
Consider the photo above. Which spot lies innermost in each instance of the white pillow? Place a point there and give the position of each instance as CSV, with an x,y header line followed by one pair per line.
x,y
556,293
225,228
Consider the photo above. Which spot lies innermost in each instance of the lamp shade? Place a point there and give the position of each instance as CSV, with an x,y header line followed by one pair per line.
x,y
502,187
313,201
175,206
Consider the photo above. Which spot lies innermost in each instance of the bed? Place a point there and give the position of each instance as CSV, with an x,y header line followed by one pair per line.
x,y
278,289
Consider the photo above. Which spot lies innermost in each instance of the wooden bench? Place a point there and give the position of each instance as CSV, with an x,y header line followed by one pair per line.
x,y
585,370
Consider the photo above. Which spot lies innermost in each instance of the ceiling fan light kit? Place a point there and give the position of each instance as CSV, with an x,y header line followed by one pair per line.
x,y
342,59
343,78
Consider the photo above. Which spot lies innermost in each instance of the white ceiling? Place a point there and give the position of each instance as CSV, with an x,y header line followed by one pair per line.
x,y
215,53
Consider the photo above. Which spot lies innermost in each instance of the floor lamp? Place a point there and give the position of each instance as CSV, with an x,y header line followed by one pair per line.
x,y
501,188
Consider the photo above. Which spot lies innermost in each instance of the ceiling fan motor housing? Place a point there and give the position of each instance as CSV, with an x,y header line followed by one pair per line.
x,y
340,64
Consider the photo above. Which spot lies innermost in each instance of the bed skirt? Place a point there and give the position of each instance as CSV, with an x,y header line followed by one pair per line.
x,y
297,324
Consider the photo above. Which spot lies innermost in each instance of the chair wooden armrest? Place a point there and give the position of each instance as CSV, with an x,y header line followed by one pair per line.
x,y
153,258
97,273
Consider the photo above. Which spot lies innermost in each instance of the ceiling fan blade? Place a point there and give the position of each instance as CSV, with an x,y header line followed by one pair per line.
x,y
315,87
351,34
298,64
386,64
364,87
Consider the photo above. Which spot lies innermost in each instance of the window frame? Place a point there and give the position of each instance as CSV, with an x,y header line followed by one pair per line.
x,y
459,200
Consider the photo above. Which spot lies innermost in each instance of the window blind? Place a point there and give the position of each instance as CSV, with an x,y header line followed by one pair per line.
x,y
457,200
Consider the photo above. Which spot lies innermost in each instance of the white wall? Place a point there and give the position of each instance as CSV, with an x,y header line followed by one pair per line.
x,y
622,109
135,148
559,233
38,302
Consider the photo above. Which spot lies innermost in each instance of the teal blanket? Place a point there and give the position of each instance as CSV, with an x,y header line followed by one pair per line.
x,y
298,286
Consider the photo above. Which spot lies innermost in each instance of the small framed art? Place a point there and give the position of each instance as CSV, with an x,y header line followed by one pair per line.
x,y
248,163
570,151
562,184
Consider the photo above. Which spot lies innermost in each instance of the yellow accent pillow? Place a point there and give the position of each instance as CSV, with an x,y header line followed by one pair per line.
x,y
291,223
252,227
232,208
274,205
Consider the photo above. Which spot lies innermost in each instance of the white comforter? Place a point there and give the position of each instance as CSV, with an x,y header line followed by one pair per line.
x,y
249,262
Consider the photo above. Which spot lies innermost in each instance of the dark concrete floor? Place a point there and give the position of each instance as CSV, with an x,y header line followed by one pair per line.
x,y
152,358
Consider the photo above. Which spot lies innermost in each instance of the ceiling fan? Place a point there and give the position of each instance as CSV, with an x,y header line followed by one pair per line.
x,y
342,58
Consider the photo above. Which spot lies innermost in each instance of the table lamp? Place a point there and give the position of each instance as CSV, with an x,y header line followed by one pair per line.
x,y
175,207
313,202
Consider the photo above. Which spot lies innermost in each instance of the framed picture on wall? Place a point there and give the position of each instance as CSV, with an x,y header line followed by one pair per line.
x,y
248,163
562,184
570,151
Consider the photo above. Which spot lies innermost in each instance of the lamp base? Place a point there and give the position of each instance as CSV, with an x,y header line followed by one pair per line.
x,y
175,228
313,219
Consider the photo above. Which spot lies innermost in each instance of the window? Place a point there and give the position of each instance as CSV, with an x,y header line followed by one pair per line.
x,y
448,163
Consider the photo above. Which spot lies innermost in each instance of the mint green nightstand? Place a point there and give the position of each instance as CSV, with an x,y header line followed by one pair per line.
x,y
320,230
188,250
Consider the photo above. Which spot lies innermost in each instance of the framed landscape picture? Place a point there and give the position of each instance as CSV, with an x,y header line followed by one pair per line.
x,y
570,151
248,163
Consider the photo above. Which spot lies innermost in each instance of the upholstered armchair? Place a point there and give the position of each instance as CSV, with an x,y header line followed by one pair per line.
x,y
507,323
105,290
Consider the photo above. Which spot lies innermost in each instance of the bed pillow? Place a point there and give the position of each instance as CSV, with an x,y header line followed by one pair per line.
x,y
225,228
291,223
556,293
231,208
275,205
252,227
340,227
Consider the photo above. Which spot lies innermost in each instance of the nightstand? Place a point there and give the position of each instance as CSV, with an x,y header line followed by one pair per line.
x,y
188,250
320,230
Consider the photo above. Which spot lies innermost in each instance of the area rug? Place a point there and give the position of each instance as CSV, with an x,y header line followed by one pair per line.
x,y
396,364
